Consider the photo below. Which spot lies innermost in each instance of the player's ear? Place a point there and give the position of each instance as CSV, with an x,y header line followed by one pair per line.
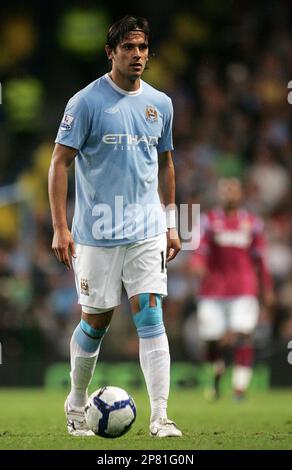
x,y
109,51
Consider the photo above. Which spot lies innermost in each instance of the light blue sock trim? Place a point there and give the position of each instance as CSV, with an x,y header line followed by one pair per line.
x,y
87,343
89,330
149,321
151,331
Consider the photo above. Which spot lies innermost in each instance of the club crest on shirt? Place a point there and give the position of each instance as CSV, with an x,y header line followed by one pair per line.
x,y
66,122
151,113
84,286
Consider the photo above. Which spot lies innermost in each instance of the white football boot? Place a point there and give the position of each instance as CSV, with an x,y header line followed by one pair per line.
x,y
164,428
76,423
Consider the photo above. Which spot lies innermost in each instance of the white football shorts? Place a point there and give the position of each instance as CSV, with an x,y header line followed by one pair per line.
x,y
216,316
100,272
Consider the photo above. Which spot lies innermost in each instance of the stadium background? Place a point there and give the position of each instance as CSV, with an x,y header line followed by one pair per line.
x,y
226,65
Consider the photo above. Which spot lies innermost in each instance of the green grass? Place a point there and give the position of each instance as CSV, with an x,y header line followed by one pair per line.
x,y
33,419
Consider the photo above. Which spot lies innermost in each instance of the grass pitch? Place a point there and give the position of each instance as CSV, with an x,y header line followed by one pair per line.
x,y
34,419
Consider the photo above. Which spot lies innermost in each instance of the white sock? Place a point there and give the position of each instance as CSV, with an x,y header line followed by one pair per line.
x,y
82,369
241,376
155,364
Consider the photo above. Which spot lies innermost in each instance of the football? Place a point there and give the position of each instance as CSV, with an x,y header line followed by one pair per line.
x,y
110,412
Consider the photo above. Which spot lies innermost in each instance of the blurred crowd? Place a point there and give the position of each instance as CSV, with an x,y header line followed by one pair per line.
x,y
227,70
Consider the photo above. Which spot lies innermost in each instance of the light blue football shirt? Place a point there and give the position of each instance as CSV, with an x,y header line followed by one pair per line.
x,y
118,135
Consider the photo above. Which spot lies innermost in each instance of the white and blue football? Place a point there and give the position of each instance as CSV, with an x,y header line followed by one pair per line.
x,y
110,412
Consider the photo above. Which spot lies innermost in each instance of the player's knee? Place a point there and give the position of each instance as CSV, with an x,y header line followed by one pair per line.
x,y
149,320
87,337
97,318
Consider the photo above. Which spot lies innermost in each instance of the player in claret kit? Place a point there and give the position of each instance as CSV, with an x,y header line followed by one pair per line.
x,y
118,130
230,263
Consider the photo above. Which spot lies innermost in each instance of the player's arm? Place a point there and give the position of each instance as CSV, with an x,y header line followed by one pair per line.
x,y
198,265
166,179
62,245
199,258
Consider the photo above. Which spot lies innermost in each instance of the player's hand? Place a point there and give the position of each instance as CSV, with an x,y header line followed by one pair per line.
x,y
173,244
269,298
63,246
199,271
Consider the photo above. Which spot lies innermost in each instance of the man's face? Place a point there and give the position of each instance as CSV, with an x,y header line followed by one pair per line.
x,y
130,56
230,192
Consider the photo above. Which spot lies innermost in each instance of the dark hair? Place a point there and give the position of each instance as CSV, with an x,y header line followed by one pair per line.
x,y
122,27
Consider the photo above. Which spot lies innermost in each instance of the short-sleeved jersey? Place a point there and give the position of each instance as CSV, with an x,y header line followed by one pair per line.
x,y
118,135
232,249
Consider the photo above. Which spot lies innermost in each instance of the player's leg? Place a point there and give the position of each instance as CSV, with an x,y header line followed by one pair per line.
x,y
98,282
211,328
243,360
244,317
84,350
153,350
214,356
155,360
144,277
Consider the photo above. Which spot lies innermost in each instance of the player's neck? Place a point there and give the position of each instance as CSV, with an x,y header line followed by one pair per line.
x,y
123,82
